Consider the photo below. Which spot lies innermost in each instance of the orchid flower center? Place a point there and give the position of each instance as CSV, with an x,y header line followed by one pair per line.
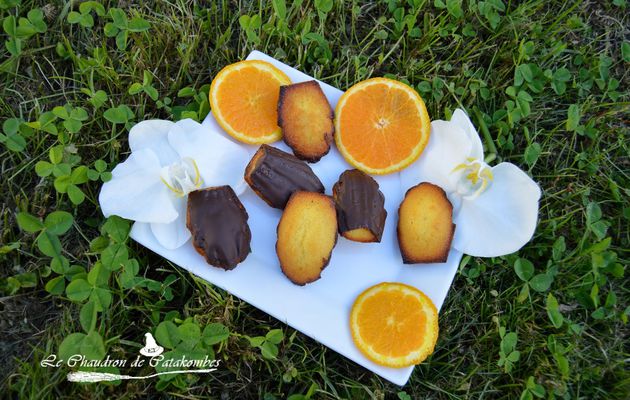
x,y
181,177
475,176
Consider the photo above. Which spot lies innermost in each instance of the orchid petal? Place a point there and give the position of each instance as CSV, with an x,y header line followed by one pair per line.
x,y
135,191
461,119
448,147
502,219
153,135
173,234
220,160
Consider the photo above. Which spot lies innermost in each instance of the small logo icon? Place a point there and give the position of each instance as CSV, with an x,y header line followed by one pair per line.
x,y
151,348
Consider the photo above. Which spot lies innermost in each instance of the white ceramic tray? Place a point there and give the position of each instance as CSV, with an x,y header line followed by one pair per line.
x,y
320,309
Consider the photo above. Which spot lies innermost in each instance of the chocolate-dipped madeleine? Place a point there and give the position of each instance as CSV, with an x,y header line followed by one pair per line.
x,y
306,119
217,221
275,175
360,207
307,234
425,225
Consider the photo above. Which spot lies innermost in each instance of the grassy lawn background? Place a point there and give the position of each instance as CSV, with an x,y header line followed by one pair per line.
x,y
546,81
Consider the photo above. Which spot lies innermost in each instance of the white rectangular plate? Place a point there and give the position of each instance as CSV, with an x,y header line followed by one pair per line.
x,y
320,309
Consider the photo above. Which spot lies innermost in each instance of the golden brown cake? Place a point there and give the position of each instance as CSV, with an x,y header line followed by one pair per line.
x,y
306,120
307,233
425,225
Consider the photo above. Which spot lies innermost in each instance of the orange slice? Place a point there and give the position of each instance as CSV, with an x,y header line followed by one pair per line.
x,y
244,100
381,125
394,324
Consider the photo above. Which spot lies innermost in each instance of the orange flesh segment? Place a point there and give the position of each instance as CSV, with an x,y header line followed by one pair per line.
x,y
401,331
243,99
394,324
249,100
388,133
381,125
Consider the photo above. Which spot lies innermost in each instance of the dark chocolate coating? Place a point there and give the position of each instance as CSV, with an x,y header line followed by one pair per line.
x,y
275,175
360,203
218,223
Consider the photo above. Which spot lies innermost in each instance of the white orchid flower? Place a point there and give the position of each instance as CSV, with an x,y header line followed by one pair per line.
x,y
495,209
167,161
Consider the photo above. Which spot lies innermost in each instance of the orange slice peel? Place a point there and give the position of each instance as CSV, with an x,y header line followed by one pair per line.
x,y
244,100
381,125
394,324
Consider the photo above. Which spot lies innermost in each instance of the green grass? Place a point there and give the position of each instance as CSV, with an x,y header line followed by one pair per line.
x,y
548,79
